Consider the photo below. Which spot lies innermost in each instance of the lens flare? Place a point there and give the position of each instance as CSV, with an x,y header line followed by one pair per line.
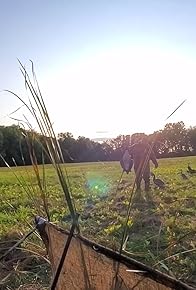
x,y
98,186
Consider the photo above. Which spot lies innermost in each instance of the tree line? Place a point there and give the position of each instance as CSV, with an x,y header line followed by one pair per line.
x,y
174,140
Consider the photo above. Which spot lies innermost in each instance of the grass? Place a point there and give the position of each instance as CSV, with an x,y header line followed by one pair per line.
x,y
162,224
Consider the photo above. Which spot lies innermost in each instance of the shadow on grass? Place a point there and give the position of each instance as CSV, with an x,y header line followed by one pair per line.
x,y
145,227
22,267
156,236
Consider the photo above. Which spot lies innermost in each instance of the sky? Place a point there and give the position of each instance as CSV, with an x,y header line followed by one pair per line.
x,y
104,67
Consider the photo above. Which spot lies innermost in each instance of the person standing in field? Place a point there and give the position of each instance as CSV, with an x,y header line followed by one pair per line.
x,y
142,153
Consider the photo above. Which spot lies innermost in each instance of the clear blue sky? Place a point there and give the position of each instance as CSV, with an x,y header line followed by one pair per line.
x,y
118,66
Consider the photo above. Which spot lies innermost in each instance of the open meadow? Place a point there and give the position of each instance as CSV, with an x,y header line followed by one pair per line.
x,y
161,228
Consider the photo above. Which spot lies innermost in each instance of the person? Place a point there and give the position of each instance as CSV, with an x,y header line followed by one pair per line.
x,y
142,153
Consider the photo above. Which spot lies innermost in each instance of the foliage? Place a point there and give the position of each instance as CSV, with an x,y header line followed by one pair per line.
x,y
192,138
30,147
161,226
173,141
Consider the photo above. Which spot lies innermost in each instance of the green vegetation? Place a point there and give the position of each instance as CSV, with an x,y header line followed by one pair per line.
x,y
162,224
175,140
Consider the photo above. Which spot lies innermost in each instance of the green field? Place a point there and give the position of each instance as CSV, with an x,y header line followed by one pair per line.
x,y
162,224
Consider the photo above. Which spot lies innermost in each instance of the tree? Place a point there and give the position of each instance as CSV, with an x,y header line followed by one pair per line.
x,y
160,147
67,144
118,146
175,139
12,138
192,139
83,149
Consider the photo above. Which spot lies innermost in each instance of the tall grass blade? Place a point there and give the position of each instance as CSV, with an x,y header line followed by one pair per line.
x,y
50,143
175,110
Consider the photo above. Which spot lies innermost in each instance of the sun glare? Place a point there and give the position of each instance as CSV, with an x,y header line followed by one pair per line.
x,y
121,91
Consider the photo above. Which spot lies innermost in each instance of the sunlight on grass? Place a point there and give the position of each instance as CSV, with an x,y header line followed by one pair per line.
x,y
158,227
